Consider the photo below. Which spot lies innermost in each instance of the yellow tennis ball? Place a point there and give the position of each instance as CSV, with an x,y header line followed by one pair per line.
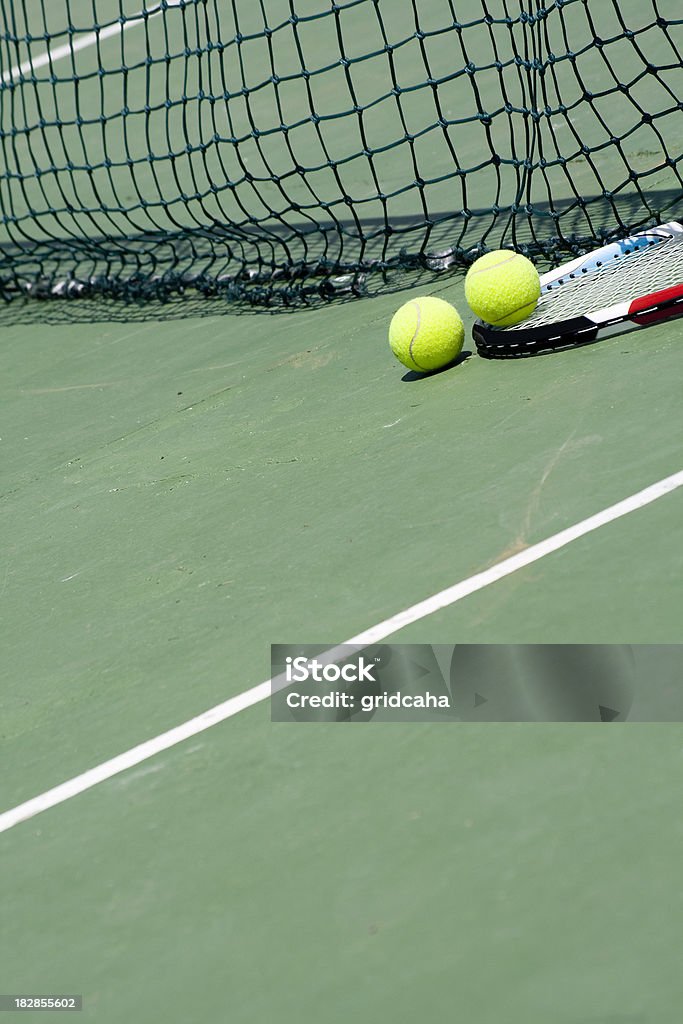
x,y
426,334
502,288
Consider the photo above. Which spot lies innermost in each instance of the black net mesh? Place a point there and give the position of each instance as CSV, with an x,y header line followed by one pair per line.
x,y
280,151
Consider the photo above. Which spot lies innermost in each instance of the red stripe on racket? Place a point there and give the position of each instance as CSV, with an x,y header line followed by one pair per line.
x,y
665,300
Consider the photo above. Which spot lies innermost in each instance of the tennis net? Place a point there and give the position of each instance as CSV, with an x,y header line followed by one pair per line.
x,y
280,151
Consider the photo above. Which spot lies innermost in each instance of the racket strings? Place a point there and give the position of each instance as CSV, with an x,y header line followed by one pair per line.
x,y
623,278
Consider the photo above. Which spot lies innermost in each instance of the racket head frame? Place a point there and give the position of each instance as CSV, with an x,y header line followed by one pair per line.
x,y
641,311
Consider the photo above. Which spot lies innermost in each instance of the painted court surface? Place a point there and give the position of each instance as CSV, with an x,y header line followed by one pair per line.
x,y
176,496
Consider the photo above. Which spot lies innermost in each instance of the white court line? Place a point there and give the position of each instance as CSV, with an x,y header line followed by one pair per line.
x,y
374,634
81,42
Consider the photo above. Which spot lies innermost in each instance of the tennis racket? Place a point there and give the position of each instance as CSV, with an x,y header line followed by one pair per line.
x,y
620,287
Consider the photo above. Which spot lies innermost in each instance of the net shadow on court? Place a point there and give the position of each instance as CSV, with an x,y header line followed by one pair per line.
x,y
308,284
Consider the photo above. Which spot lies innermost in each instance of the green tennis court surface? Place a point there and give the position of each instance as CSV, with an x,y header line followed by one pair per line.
x,y
179,494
